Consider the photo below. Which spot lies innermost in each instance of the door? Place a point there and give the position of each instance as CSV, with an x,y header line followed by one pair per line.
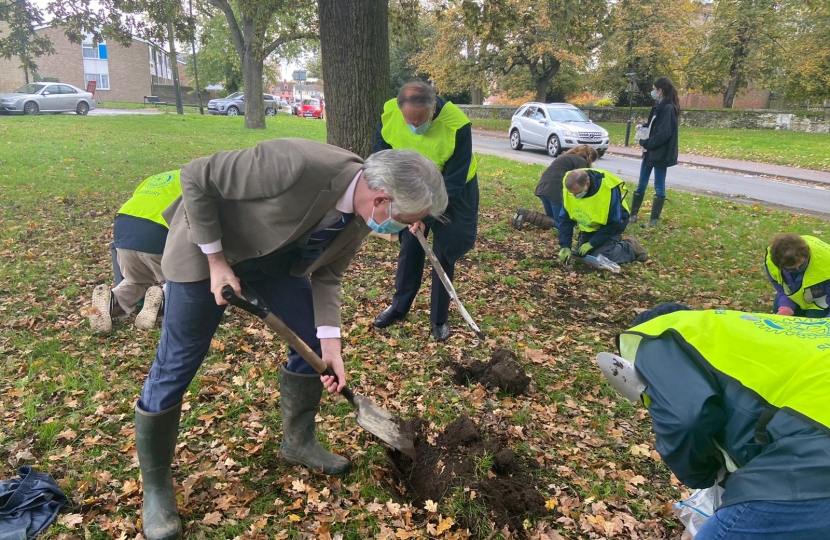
x,y
537,126
51,98
69,97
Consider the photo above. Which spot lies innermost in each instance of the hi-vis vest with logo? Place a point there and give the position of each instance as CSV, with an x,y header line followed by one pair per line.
x,y
818,271
591,213
784,360
153,196
437,144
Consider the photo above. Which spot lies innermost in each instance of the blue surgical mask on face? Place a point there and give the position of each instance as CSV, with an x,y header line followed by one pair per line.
x,y
389,225
654,94
420,130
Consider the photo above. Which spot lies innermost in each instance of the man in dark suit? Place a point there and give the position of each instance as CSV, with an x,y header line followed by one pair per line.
x,y
268,217
419,120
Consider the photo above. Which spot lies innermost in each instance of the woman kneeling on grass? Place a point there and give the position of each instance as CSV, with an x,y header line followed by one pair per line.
x,y
799,269
549,188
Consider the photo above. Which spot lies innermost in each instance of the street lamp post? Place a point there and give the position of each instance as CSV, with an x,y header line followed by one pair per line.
x,y
631,88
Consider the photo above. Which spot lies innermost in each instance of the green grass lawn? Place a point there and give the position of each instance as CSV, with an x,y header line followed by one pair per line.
x,y
796,149
68,395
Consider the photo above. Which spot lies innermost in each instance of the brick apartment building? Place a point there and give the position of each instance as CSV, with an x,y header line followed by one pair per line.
x,y
120,73
11,76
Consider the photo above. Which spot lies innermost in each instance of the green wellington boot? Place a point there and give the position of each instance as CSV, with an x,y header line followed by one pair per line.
x,y
656,210
155,441
636,203
299,401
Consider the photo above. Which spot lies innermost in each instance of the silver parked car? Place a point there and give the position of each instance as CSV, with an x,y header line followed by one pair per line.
x,y
234,105
555,126
37,98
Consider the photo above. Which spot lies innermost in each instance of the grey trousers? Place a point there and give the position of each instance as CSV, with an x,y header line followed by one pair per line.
x,y
141,271
615,249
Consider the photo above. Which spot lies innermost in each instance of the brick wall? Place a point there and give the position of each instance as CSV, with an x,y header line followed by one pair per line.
x,y
753,98
67,64
129,73
167,93
11,76
129,67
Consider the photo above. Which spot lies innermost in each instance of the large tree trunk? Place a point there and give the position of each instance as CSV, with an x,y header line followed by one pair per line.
x,y
174,68
543,81
252,80
476,95
731,92
354,45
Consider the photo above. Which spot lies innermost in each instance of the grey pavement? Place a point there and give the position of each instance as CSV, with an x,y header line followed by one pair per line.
x,y
809,197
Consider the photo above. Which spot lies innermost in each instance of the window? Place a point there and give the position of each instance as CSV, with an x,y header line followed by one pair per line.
x,y
530,112
67,89
52,89
90,50
102,82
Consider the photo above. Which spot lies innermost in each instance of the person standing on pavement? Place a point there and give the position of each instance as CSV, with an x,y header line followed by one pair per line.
x,y
266,218
799,269
549,187
595,200
659,149
437,129
139,235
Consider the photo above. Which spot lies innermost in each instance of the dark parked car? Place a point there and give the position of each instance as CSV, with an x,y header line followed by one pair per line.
x,y
37,98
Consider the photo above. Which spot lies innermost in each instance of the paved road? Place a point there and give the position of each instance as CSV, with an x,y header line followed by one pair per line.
x,y
812,199
103,111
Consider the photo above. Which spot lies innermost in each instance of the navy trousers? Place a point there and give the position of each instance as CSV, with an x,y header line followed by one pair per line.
x,y
451,240
191,317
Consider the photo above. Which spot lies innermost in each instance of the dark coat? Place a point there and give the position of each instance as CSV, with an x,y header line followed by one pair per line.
x,y
662,140
550,184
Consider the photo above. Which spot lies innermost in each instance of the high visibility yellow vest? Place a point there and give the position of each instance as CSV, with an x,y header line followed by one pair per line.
x,y
153,196
818,271
437,144
591,213
784,360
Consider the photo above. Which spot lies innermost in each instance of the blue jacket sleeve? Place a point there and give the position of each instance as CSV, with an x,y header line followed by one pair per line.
x,y
458,166
783,299
566,229
685,409
380,143
615,223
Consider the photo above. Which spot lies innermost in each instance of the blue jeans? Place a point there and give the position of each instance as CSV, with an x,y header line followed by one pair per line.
x,y
191,317
769,520
659,179
552,209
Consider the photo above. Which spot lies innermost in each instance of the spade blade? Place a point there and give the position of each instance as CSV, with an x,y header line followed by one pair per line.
x,y
390,429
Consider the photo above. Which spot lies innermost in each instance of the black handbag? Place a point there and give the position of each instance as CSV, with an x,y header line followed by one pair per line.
x,y
28,504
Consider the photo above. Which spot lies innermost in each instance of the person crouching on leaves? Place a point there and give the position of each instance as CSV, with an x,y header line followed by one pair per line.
x,y
799,269
595,199
549,188
741,400
139,235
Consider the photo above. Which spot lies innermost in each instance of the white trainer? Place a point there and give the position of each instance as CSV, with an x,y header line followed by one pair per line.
x,y
100,316
153,299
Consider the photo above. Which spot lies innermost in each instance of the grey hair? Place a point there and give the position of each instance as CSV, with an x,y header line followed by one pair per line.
x,y
417,93
576,178
413,181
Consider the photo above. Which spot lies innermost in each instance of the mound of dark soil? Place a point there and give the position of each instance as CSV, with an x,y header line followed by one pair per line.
x,y
459,458
502,372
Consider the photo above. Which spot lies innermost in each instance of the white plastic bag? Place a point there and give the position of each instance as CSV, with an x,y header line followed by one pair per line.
x,y
694,511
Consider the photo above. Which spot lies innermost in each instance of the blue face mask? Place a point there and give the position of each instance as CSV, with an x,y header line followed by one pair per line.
x,y
654,94
389,226
420,130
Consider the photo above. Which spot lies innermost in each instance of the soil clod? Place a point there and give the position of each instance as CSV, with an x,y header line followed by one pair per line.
x,y
503,372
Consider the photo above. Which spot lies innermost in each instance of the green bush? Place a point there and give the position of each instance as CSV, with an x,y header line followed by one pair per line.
x,y
604,102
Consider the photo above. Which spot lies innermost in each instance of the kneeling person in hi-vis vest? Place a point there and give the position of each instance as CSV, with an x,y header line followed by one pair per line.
x,y
799,269
595,200
139,236
741,399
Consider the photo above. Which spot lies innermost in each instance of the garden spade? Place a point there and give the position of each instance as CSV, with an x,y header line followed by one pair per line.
x,y
448,284
370,417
